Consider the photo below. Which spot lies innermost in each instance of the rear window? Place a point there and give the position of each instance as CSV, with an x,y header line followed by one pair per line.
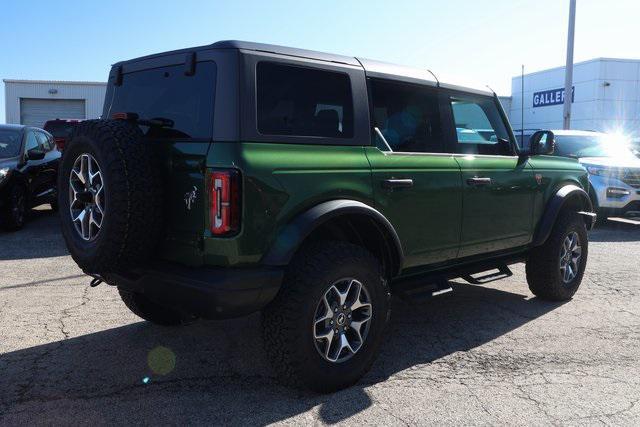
x,y
60,129
297,101
168,93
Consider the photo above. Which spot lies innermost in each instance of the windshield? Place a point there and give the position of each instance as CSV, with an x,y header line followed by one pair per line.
x,y
590,146
9,143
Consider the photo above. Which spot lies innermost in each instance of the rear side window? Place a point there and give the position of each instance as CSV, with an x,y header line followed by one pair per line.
x,y
408,116
167,93
297,101
479,126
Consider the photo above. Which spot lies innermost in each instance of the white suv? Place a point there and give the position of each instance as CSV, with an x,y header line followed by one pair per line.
x,y
614,170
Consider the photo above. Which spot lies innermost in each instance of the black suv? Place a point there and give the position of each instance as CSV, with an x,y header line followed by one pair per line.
x,y
28,169
61,130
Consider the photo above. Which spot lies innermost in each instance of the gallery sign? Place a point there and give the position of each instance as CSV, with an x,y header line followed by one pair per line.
x,y
551,97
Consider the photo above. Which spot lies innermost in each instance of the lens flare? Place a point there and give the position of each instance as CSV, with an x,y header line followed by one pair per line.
x,y
161,360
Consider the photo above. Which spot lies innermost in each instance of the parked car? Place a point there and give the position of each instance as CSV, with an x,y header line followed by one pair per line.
x,y
614,170
239,177
28,172
61,130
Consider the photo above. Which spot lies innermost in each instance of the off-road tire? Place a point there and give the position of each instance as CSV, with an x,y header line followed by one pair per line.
x,y
132,222
543,264
288,320
14,214
150,311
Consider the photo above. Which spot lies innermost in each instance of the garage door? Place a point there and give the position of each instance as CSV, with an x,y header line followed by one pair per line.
x,y
34,112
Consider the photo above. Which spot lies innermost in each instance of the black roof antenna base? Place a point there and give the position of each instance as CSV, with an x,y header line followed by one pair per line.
x,y
190,64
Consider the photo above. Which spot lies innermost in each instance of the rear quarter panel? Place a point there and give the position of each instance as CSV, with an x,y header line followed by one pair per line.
x,y
280,181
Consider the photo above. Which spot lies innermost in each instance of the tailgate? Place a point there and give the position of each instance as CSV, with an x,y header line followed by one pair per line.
x,y
183,166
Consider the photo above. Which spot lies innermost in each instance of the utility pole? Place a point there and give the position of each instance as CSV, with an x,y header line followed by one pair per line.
x,y
568,73
522,108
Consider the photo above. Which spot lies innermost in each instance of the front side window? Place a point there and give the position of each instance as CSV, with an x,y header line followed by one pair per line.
x,y
43,141
32,142
479,127
408,116
167,93
298,101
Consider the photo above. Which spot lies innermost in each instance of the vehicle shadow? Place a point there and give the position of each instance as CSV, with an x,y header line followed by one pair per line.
x,y
616,230
220,376
41,231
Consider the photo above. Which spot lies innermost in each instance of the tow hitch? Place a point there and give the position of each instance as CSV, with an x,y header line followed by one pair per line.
x,y
96,280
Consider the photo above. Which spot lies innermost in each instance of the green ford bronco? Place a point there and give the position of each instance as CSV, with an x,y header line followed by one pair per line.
x,y
238,177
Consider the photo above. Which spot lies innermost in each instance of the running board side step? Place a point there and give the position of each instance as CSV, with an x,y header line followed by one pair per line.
x,y
503,272
421,293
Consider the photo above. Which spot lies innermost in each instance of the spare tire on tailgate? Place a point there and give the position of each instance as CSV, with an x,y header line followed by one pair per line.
x,y
110,196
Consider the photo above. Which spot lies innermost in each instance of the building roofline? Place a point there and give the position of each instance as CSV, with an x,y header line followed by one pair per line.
x,y
57,82
588,61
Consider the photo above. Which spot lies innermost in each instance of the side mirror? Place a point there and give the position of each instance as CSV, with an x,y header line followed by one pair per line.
x,y
542,142
35,154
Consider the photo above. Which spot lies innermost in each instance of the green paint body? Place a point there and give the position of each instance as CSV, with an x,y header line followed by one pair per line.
x,y
440,219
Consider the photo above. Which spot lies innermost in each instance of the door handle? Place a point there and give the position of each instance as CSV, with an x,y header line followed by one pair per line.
x,y
477,181
397,183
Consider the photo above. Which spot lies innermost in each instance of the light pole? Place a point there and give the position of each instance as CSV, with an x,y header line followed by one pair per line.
x,y
568,73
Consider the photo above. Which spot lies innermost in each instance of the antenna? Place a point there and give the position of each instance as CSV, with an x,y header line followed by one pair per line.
x,y
434,76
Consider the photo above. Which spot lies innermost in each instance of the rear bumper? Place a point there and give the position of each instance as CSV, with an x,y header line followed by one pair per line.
x,y
212,293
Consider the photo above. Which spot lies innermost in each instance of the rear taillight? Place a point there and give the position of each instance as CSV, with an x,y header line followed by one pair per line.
x,y
224,192
59,142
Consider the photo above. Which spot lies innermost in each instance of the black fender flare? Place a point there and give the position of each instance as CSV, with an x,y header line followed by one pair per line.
x,y
555,205
291,237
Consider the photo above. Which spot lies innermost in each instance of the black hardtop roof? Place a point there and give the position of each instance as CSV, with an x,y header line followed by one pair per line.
x,y
259,47
370,66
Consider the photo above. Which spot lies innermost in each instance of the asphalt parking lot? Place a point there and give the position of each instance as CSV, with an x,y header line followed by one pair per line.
x,y
70,354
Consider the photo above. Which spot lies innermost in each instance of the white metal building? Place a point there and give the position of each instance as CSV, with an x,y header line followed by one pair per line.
x,y
606,97
33,102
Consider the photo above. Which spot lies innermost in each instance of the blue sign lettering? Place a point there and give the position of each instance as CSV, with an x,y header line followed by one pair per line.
x,y
551,97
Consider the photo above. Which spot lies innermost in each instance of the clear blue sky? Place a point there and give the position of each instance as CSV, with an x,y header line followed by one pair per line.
x,y
481,42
